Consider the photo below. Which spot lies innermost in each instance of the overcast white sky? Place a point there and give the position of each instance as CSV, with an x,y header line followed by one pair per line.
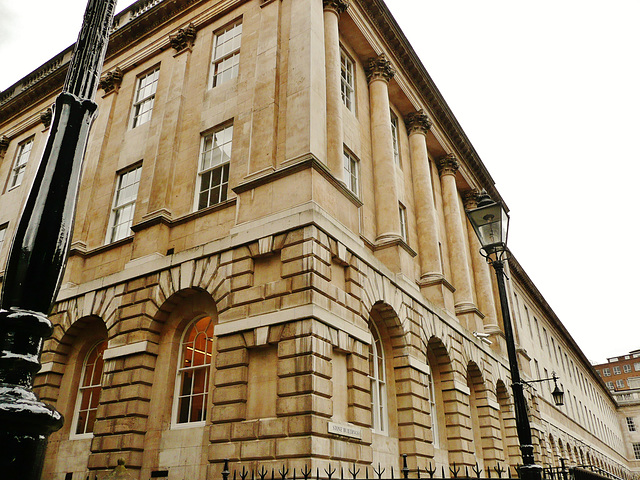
x,y
548,93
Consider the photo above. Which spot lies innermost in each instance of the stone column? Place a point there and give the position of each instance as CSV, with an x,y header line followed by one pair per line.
x,y
482,273
431,276
458,255
379,72
335,134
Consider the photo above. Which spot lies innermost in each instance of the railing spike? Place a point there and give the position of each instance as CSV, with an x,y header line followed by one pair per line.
x,y
225,469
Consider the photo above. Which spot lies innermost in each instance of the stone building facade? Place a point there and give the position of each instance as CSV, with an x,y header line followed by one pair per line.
x,y
271,261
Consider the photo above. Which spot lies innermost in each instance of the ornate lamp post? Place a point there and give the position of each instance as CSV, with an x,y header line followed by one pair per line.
x,y
491,223
39,253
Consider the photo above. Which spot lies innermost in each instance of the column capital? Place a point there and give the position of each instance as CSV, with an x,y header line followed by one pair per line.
x,y
379,68
183,38
111,81
336,6
470,198
448,165
418,122
4,144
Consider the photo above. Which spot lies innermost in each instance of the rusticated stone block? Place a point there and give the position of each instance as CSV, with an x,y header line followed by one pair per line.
x,y
273,427
258,449
230,394
222,451
303,446
232,358
231,376
220,432
303,365
305,384
247,430
229,413
308,403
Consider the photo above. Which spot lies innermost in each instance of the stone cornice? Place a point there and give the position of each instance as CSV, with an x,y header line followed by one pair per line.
x,y
448,165
379,68
407,59
418,122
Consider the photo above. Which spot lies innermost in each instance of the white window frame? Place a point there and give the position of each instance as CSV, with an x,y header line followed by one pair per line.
x,y
87,388
347,80
395,139
626,368
225,58
218,157
606,372
181,370
636,366
144,98
352,173
433,404
377,378
620,383
3,235
616,370
404,229
609,385
20,162
124,208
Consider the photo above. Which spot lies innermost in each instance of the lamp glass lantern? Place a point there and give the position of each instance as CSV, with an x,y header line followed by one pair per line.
x,y
557,394
491,224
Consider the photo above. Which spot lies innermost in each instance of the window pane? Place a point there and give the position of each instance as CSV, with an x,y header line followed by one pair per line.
x,y
124,204
89,391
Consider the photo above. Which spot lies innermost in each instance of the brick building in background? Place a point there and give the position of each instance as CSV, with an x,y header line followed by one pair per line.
x,y
617,371
271,261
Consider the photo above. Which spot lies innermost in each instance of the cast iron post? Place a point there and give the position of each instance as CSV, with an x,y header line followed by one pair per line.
x,y
529,470
39,252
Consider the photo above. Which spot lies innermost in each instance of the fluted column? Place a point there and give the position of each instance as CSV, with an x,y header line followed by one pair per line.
x,y
335,134
379,72
458,255
481,272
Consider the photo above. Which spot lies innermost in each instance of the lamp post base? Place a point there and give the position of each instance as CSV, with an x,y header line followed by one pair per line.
x,y
530,472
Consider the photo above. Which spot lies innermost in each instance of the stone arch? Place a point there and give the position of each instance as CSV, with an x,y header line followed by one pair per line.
x,y
554,452
378,288
58,382
482,413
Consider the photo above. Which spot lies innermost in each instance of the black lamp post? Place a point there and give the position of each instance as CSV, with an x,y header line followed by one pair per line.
x,y
491,223
39,252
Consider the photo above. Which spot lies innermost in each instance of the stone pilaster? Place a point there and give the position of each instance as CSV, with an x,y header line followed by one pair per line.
x,y
465,307
379,72
414,422
482,273
432,281
335,133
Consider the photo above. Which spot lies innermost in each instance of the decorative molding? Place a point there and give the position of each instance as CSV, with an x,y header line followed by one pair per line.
x,y
264,3
435,278
393,241
184,38
448,165
379,68
418,122
4,144
337,6
46,116
110,82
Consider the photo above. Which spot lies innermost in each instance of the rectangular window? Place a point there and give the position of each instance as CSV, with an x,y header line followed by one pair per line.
x,y
351,172
403,222
631,425
609,385
606,372
636,366
619,383
145,97
3,233
347,80
626,368
394,138
213,167
124,204
20,163
226,54
636,450
616,370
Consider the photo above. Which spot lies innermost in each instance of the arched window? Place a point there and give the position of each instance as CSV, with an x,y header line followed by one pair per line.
x,y
377,376
433,404
89,391
194,364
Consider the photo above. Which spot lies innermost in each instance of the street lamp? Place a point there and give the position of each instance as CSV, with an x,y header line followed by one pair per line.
x,y
557,393
490,221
